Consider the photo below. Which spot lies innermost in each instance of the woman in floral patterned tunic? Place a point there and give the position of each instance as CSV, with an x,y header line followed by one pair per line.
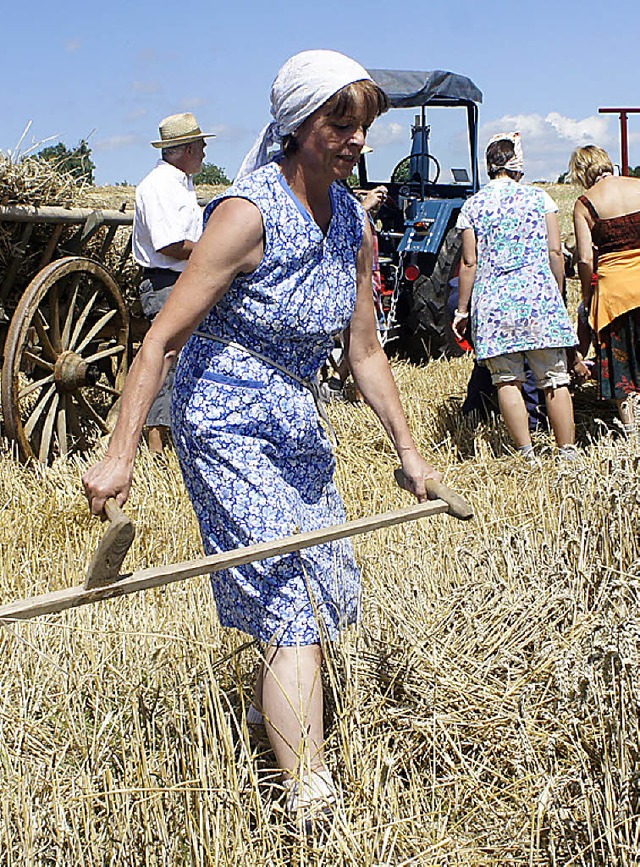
x,y
512,260
284,264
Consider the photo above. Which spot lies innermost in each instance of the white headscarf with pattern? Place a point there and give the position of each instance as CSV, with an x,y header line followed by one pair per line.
x,y
305,82
516,163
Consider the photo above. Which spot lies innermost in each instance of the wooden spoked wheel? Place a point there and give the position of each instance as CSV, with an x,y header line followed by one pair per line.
x,y
65,359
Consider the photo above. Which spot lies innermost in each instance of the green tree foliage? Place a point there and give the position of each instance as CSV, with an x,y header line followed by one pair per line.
x,y
211,174
400,174
76,162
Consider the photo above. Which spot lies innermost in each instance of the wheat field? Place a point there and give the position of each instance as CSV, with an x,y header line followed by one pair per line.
x,y
486,711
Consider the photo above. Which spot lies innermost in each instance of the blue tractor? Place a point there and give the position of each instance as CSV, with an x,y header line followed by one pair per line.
x,y
418,243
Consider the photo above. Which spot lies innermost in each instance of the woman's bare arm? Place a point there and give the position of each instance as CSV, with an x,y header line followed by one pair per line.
x,y
372,374
466,279
584,250
231,244
556,259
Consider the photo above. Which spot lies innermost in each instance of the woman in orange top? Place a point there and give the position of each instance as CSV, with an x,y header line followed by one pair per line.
x,y
607,226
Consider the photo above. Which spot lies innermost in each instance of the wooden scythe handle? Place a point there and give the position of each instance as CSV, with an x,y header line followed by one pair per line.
x,y
110,553
458,506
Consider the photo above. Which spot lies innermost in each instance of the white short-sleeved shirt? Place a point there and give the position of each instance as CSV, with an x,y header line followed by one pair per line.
x,y
167,212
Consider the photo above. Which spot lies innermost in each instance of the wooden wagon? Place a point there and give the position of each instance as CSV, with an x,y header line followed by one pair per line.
x,y
65,326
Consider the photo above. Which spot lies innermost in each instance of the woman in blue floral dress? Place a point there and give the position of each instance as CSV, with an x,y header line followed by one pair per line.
x,y
512,260
284,264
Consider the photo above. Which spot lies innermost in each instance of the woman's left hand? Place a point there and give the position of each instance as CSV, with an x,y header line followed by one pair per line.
x,y
582,371
459,324
416,470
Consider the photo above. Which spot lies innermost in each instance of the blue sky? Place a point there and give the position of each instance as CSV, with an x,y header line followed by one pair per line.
x,y
111,71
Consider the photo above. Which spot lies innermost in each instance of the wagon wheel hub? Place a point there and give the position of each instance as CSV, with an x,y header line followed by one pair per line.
x,y
72,372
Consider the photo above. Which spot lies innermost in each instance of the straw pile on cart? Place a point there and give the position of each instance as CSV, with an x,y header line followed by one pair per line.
x,y
70,317
38,183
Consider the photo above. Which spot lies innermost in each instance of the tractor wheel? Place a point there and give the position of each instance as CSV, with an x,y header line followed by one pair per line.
x,y
432,325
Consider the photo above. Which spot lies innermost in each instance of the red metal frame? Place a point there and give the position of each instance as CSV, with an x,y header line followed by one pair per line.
x,y
624,140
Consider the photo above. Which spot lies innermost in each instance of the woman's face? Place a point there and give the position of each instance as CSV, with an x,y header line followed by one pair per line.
x,y
329,145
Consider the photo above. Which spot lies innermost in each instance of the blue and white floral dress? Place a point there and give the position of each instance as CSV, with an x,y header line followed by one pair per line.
x,y
256,461
516,304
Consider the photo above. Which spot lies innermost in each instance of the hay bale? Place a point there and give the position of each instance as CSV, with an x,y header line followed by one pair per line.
x,y
36,182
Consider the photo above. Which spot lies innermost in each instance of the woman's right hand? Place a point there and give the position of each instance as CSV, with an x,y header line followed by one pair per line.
x,y
110,477
415,472
372,200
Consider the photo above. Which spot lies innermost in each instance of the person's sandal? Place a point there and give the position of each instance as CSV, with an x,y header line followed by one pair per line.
x,y
310,803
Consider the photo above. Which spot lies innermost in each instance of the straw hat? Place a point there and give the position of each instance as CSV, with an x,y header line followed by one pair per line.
x,y
179,129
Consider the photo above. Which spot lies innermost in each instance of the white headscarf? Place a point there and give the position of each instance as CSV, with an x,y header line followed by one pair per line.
x,y
516,163
305,82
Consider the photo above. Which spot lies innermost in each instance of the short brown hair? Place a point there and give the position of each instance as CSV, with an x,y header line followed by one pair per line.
x,y
348,99
498,155
589,163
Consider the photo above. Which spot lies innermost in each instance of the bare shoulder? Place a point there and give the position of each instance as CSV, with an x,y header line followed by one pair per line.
x,y
613,182
629,186
579,208
235,225
615,196
232,237
237,213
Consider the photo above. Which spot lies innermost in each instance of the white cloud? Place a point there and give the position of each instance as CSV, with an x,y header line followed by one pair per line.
x,y
587,131
115,142
548,140
385,134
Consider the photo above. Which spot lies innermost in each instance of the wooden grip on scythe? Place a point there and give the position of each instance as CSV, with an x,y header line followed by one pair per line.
x,y
109,556
458,506
110,553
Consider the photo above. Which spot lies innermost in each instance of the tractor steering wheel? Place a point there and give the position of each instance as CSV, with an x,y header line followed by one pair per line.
x,y
400,174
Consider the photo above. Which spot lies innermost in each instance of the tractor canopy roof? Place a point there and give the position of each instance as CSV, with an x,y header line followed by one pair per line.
x,y
407,89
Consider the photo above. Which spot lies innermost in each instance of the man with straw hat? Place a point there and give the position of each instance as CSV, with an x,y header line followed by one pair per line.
x,y
166,225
